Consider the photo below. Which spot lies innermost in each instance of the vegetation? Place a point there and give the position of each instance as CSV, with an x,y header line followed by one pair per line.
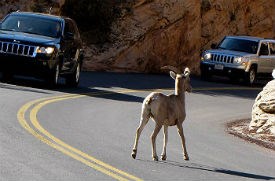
x,y
42,6
94,17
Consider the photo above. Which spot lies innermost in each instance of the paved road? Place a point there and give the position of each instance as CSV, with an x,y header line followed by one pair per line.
x,y
88,133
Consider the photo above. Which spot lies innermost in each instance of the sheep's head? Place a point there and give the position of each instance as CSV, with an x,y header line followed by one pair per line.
x,y
182,79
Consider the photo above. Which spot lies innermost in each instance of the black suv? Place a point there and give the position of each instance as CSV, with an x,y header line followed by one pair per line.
x,y
40,45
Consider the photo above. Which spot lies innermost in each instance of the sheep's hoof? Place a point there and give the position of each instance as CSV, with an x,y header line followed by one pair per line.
x,y
163,157
186,157
155,158
134,154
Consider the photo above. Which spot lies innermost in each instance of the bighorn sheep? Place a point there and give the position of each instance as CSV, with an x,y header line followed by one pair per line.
x,y
165,111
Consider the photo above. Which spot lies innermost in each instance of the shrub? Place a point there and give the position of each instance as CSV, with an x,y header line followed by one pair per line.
x,y
93,16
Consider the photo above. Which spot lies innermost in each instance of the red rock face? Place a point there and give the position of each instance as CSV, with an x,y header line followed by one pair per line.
x,y
161,32
155,34
236,17
7,6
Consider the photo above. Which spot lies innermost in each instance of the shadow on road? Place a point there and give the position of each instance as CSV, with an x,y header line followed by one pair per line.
x,y
14,86
38,86
118,96
219,170
196,166
219,87
94,81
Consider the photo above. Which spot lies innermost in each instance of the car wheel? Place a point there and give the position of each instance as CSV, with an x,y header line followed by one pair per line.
x,y
53,77
251,76
73,79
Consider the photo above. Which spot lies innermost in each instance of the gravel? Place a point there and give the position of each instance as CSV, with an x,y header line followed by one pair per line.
x,y
239,128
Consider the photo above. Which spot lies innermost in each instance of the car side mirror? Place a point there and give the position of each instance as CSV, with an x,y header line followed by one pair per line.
x,y
69,36
213,45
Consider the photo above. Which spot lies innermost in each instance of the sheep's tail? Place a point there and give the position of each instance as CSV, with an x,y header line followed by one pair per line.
x,y
148,100
146,107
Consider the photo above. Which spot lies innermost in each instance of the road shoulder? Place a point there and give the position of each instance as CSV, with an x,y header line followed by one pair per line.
x,y
239,128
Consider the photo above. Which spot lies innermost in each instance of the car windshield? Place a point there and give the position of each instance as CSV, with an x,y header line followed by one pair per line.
x,y
240,45
32,25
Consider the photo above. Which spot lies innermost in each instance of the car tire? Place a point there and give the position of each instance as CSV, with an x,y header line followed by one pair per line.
x,y
53,76
250,76
72,80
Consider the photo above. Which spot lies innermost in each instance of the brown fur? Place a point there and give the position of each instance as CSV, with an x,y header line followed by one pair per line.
x,y
165,111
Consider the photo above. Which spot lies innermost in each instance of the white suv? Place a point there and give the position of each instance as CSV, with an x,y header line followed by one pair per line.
x,y
239,57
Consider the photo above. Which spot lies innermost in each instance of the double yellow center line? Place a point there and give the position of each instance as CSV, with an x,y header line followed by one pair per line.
x,y
33,127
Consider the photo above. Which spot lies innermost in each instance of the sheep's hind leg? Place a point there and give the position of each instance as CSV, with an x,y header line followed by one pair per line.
x,y
142,124
153,139
180,131
165,139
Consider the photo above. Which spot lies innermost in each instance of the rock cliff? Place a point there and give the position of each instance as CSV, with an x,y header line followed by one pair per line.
x,y
160,32
7,6
148,34
154,34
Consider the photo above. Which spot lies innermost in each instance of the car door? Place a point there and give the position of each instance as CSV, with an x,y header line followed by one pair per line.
x,y
264,58
78,51
70,46
272,56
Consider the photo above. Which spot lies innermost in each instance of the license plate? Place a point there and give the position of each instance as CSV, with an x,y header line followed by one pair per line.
x,y
218,67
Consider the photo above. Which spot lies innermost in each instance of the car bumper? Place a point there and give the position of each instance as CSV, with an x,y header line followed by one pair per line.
x,y
29,66
213,69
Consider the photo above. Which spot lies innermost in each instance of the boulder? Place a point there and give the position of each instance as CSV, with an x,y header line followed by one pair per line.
x,y
263,111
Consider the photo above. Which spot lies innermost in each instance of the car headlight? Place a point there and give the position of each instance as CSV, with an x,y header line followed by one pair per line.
x,y
45,50
241,61
238,60
206,56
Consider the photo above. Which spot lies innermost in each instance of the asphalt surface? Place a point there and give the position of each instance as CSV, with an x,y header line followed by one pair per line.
x,y
88,133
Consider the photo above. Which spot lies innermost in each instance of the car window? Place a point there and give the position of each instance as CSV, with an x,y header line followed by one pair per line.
x,y
272,48
77,34
32,25
69,27
264,49
240,45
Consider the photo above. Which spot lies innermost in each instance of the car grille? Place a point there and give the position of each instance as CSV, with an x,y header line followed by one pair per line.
x,y
18,49
222,58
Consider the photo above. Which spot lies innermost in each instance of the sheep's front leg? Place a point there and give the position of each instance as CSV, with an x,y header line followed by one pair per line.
x,y
165,139
153,139
180,131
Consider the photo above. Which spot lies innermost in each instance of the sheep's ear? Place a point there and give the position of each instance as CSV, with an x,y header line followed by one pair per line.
x,y
173,75
186,72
